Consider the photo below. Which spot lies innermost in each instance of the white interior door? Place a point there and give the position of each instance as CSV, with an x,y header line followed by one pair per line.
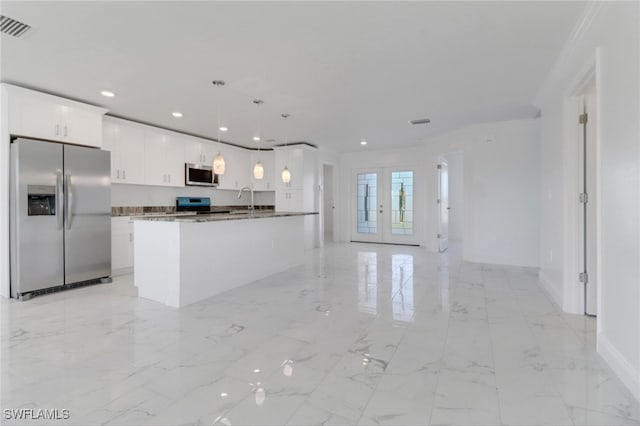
x,y
384,206
443,205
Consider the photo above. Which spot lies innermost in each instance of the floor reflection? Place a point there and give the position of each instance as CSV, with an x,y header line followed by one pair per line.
x,y
402,287
368,282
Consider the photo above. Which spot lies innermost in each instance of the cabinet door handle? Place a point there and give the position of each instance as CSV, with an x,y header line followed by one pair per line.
x,y
57,129
118,174
124,174
65,130
169,178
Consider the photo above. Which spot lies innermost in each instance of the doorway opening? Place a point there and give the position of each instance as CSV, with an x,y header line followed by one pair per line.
x,y
453,205
328,203
443,205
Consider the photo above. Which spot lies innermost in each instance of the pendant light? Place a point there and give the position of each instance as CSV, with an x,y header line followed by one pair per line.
x,y
218,161
286,174
258,169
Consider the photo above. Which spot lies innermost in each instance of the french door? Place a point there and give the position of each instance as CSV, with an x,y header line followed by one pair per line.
x,y
384,206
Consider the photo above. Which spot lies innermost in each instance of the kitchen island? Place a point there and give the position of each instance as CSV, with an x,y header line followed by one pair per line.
x,y
179,260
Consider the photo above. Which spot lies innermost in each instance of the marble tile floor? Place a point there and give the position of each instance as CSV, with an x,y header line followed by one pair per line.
x,y
359,334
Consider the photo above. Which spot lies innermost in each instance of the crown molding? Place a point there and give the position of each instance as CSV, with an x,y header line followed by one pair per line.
x,y
582,26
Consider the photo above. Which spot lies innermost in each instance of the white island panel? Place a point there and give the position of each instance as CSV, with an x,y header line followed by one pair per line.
x,y
179,263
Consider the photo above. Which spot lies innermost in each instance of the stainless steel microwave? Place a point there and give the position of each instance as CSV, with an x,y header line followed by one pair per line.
x,y
199,175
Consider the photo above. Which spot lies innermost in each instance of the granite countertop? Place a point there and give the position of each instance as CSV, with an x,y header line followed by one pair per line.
x,y
213,217
171,210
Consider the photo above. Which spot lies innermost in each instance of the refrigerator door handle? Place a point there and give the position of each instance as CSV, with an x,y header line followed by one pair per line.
x,y
59,200
69,199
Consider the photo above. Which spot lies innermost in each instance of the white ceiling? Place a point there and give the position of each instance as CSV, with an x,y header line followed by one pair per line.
x,y
343,70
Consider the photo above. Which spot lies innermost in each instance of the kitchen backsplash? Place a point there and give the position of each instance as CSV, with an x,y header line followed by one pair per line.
x,y
158,196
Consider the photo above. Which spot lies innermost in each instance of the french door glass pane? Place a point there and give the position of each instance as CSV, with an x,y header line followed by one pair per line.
x,y
402,203
367,202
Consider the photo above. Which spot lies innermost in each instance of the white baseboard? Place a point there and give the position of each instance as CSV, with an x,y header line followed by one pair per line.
x,y
627,374
548,286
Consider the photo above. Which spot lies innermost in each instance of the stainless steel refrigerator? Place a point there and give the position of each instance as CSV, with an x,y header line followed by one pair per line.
x,y
60,215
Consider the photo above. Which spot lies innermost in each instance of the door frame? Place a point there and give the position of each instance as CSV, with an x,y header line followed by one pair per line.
x,y
573,291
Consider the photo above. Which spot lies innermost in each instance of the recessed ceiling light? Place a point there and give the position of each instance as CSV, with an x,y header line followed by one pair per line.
x,y
363,142
107,93
256,138
177,114
223,129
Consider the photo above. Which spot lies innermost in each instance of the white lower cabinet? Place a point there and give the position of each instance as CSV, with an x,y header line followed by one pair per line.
x,y
121,245
290,201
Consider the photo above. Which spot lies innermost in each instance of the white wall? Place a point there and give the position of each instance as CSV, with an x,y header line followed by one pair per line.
x,y
501,179
142,195
607,36
455,161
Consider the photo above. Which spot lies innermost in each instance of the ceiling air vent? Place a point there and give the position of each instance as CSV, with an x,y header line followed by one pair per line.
x,y
420,121
12,27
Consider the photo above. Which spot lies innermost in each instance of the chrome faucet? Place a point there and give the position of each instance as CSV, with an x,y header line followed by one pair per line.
x,y
251,205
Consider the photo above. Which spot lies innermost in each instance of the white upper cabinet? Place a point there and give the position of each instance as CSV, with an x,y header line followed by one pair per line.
x,y
299,194
199,152
294,159
125,140
164,158
267,158
38,115
238,168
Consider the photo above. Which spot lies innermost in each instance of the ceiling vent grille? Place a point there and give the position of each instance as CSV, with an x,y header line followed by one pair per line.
x,y
420,121
12,27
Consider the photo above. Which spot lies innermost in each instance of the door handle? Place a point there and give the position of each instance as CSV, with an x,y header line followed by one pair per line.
x,y
69,199
59,200
65,130
57,129
124,175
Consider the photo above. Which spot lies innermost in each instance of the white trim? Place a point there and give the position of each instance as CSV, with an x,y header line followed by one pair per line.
x,y
627,374
582,27
547,285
